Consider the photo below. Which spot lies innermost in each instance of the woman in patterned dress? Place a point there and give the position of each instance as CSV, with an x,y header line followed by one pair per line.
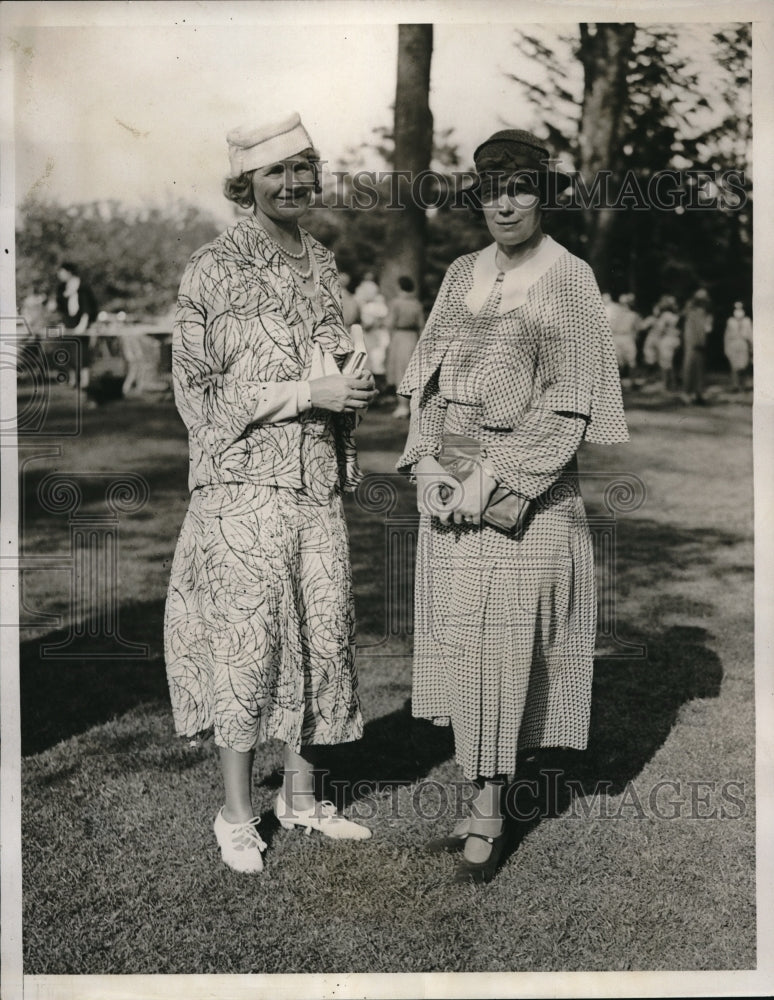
x,y
517,353
259,628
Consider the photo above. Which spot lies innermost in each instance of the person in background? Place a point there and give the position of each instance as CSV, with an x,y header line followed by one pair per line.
x,y
373,316
404,321
33,313
697,324
350,307
367,290
259,629
738,344
624,322
648,337
30,328
77,309
667,340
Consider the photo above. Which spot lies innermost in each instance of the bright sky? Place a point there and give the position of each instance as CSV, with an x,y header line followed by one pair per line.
x,y
138,111
141,114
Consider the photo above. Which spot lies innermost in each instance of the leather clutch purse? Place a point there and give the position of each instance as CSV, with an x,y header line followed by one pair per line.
x,y
460,456
356,361
324,363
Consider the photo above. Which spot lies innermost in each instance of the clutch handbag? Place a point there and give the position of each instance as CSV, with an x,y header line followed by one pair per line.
x,y
356,361
461,456
324,363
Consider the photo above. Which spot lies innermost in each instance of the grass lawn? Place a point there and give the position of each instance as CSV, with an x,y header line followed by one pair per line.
x,y
641,852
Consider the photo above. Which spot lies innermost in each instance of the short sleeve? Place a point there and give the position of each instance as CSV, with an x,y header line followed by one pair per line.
x,y
434,340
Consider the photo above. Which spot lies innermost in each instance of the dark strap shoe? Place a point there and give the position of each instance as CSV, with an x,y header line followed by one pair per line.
x,y
447,845
480,872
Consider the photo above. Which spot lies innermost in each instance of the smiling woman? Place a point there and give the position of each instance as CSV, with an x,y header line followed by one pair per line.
x,y
259,629
277,193
305,170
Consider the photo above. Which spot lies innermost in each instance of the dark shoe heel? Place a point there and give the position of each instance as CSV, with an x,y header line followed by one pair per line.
x,y
479,872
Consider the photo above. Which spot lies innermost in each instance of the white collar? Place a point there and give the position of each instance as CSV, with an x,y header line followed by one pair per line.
x,y
516,283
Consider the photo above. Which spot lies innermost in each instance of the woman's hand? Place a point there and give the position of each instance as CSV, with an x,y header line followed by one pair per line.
x,y
342,393
473,496
435,487
445,497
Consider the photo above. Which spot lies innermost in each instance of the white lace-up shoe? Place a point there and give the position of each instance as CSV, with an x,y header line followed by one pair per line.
x,y
240,844
321,816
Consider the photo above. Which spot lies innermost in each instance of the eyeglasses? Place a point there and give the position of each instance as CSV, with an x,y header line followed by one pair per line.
x,y
520,189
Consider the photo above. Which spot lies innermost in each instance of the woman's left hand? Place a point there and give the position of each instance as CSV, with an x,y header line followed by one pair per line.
x,y
370,384
472,497
369,377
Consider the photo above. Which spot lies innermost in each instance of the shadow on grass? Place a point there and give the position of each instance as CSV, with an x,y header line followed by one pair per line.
x,y
164,478
635,704
61,697
654,397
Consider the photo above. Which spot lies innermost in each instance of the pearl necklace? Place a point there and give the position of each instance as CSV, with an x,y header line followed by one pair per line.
x,y
289,253
304,275
290,257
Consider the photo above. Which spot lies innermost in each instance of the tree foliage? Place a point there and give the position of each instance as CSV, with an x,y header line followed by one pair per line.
x,y
639,100
683,102
132,258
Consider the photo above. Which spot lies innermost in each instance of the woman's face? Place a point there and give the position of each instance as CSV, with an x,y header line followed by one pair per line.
x,y
283,190
511,210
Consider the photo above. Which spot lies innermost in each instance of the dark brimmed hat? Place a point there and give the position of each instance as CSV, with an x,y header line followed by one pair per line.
x,y
512,152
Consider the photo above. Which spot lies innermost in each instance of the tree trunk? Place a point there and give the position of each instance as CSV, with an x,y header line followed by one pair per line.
x,y
605,54
413,150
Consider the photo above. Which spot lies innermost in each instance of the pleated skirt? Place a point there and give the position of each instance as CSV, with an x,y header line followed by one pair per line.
x,y
504,633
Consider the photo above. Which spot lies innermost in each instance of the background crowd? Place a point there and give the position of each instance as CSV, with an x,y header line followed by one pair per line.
x,y
668,348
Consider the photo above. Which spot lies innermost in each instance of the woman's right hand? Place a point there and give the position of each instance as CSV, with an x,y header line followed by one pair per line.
x,y
342,393
437,491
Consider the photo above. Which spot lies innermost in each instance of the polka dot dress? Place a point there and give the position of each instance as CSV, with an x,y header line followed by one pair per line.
x,y
505,624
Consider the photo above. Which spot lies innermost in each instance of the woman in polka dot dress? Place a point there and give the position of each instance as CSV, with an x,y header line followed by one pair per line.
x,y
517,353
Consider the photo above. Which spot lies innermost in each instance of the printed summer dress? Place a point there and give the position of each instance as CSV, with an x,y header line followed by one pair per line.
x,y
259,626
